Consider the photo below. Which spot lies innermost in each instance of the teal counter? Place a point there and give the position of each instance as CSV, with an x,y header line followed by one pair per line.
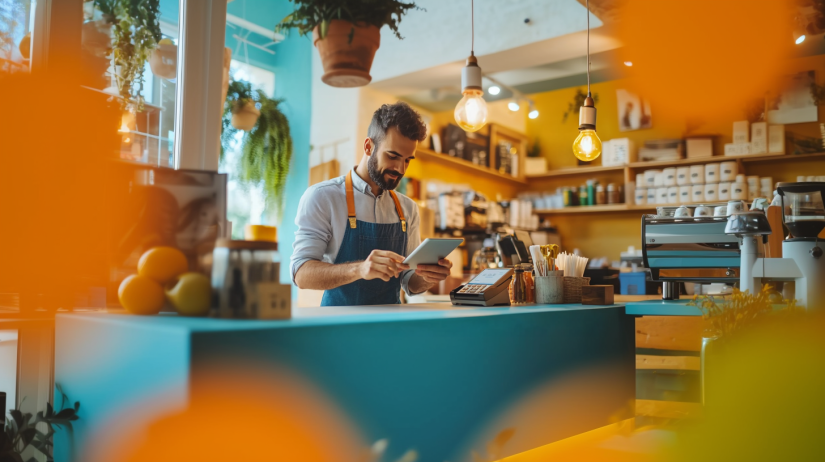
x,y
663,308
440,379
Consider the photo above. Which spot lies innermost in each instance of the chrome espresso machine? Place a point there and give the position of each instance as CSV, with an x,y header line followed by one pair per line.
x,y
689,249
731,249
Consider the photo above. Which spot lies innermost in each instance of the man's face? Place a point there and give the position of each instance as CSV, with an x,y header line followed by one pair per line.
x,y
389,161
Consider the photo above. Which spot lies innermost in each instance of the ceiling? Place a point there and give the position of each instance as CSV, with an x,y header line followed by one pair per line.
x,y
541,53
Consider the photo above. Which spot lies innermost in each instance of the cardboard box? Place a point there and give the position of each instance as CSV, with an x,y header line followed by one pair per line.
x,y
737,149
618,152
776,139
741,132
759,138
699,147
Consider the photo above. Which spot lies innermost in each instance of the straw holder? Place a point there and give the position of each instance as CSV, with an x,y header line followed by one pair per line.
x,y
573,288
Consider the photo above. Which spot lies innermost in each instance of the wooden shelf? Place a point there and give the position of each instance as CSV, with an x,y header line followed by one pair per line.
x,y
584,209
576,171
431,156
748,158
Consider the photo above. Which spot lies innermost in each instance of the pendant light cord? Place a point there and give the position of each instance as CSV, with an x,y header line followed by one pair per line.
x,y
473,26
588,46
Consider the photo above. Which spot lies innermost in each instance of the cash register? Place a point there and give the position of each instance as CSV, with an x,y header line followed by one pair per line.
x,y
489,288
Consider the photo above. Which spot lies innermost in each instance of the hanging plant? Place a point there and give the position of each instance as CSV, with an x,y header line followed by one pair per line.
x,y
346,33
136,32
266,149
244,109
578,101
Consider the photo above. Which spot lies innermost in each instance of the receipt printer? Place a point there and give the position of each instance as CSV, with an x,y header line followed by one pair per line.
x,y
490,288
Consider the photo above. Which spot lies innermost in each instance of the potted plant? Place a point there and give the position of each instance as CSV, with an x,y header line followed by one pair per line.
x,y
25,430
136,32
241,104
535,164
346,33
266,148
723,321
164,59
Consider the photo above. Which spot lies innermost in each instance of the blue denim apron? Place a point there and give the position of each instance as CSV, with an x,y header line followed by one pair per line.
x,y
361,238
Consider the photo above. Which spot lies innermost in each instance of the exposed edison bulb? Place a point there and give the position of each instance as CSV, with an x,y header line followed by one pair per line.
x,y
587,146
471,111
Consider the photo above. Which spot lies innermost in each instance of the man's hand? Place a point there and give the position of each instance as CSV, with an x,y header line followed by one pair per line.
x,y
433,274
382,264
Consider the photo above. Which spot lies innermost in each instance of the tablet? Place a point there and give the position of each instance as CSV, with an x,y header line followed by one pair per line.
x,y
430,251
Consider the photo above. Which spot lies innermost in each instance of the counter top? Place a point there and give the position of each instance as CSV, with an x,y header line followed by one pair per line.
x,y
328,315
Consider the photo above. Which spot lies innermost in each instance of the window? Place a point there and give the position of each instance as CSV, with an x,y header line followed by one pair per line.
x,y
148,120
16,17
245,205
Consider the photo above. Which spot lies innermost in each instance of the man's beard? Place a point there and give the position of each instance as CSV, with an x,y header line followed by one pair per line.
x,y
378,177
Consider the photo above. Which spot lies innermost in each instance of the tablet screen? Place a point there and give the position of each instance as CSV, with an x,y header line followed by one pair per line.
x,y
489,276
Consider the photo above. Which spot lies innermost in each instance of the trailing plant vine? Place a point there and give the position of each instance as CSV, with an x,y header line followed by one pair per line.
x,y
136,31
266,150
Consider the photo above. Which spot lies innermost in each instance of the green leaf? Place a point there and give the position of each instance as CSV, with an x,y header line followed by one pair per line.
x,y
18,417
67,413
27,436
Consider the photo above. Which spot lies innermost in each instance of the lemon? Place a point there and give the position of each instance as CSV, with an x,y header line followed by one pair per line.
x,y
191,295
163,264
166,41
140,295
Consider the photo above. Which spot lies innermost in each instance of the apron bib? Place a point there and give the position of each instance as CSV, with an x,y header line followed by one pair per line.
x,y
360,239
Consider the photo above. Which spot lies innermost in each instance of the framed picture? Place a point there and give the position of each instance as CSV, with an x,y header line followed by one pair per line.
x,y
435,141
634,111
793,102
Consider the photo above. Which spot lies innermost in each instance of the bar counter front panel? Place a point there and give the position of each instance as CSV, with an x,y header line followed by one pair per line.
x,y
439,379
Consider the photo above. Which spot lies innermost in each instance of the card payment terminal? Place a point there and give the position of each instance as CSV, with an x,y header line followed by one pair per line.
x,y
489,288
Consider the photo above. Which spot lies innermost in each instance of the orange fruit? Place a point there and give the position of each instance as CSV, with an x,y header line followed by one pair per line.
x,y
141,295
191,295
163,264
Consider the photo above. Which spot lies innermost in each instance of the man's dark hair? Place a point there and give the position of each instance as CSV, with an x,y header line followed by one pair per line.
x,y
399,115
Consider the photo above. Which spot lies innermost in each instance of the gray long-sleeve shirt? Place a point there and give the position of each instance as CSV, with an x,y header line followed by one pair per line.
x,y
322,221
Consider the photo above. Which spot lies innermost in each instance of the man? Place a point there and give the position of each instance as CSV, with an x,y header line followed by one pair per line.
x,y
354,230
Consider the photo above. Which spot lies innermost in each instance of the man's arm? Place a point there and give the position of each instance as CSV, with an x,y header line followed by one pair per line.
x,y
318,275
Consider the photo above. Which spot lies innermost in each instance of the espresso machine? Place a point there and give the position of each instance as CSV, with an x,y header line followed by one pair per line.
x,y
689,249
802,267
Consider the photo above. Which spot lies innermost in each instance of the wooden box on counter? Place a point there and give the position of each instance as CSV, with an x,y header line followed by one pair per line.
x,y
597,295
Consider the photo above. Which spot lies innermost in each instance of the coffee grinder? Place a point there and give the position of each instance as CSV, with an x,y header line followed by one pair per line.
x,y
802,267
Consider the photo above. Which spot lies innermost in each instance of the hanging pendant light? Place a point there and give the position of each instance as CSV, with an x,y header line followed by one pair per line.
x,y
471,112
587,146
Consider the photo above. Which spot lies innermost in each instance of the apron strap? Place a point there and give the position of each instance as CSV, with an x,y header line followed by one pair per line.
x,y
350,201
351,204
400,212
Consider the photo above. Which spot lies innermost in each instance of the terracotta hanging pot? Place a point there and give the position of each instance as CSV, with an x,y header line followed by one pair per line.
x,y
347,62
245,116
164,61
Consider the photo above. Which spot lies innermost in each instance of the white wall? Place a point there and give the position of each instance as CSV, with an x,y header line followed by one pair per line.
x,y
8,366
441,34
334,120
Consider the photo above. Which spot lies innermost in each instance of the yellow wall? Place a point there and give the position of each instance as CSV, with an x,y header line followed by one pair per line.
x,y
607,234
556,137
